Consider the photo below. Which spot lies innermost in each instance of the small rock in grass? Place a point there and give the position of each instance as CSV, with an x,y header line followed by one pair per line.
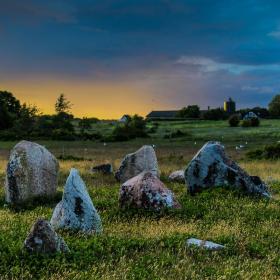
x,y
146,191
43,239
76,211
177,176
204,244
103,168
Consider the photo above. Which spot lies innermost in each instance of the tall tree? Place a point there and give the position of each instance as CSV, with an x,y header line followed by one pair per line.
x,y
274,106
62,105
192,111
9,109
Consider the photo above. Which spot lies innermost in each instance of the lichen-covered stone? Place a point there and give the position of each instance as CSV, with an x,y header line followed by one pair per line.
x,y
211,167
43,239
76,211
103,168
133,164
31,171
177,176
208,245
146,191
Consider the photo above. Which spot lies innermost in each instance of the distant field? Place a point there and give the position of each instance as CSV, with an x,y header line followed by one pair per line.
x,y
144,245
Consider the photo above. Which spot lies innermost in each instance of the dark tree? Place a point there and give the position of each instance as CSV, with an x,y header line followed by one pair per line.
x,y
274,106
25,124
192,111
234,120
62,105
215,114
9,109
134,127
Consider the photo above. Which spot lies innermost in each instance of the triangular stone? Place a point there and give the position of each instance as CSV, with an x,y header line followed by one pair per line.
x,y
76,211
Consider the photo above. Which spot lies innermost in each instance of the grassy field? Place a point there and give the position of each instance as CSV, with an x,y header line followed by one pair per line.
x,y
145,245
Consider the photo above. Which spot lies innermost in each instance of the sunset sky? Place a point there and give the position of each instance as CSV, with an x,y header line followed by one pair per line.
x,y
126,56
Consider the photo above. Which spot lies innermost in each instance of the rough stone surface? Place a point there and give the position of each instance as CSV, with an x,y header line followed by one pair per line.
x,y
43,239
76,211
204,244
212,167
133,164
177,176
146,191
103,168
31,171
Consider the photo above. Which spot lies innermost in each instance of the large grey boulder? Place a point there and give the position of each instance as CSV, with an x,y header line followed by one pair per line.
x,y
31,171
43,239
177,176
212,167
76,211
133,164
146,191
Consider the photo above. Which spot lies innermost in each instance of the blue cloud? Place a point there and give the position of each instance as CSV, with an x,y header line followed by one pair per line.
x,y
223,41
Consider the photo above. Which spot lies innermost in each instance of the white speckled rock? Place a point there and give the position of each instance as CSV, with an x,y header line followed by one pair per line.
x,y
146,191
212,167
31,171
76,211
204,244
133,164
177,176
43,239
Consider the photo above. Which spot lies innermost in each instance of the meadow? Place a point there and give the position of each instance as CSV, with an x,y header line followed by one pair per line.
x,y
139,244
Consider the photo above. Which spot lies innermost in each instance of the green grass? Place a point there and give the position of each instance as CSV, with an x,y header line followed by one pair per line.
x,y
146,245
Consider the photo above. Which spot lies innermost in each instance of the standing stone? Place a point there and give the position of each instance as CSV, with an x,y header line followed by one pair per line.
x,y
31,171
76,211
146,191
177,176
212,167
133,164
43,239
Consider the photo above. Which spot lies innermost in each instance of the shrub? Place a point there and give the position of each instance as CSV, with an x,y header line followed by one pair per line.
x,y
246,123
133,128
234,120
255,122
268,152
175,134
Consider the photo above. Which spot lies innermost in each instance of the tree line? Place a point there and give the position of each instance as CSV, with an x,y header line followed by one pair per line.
x,y
22,121
19,121
194,112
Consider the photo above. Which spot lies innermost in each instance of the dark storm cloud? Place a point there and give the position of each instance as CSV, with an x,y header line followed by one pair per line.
x,y
226,47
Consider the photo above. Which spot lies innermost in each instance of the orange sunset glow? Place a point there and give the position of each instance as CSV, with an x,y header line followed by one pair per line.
x,y
90,99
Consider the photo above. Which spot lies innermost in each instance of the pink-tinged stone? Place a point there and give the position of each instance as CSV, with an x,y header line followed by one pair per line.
x,y
147,191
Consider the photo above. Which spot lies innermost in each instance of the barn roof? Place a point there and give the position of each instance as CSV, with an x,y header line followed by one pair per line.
x,y
162,114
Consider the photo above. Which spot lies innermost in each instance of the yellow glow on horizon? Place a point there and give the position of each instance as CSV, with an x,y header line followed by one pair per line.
x,y
107,100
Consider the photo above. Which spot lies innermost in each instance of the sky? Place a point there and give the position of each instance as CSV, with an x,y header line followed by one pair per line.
x,y
127,56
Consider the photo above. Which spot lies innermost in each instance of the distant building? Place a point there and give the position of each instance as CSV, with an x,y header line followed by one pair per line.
x,y
162,115
229,106
250,115
124,118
